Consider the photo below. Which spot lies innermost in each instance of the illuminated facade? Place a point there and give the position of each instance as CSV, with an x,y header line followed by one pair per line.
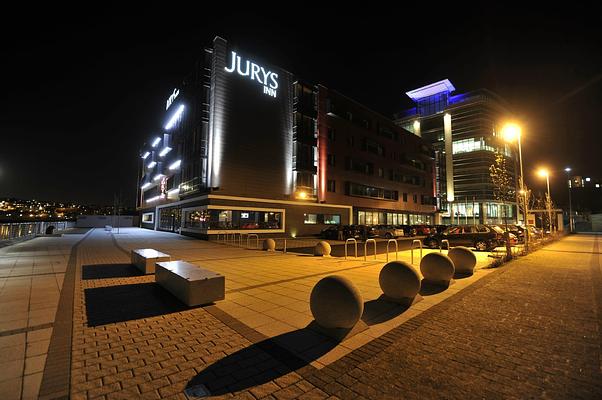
x,y
465,132
240,151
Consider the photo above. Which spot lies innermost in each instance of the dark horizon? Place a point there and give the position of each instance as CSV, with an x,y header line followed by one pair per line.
x,y
82,97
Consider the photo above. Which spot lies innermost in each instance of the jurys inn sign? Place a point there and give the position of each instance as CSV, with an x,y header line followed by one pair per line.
x,y
254,72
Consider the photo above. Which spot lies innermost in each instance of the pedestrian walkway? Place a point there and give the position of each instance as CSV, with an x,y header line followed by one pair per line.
x,y
31,278
528,329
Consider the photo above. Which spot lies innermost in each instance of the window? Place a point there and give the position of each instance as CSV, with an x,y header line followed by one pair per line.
x,y
330,159
373,147
148,218
332,219
356,189
349,116
331,186
405,197
350,141
415,198
381,173
310,219
204,219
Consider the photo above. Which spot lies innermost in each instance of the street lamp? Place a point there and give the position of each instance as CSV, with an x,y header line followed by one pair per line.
x,y
544,173
511,132
568,176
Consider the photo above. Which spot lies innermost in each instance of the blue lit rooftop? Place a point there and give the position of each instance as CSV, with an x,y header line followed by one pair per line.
x,y
444,86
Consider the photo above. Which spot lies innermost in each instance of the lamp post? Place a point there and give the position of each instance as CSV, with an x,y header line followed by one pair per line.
x,y
510,132
544,173
568,171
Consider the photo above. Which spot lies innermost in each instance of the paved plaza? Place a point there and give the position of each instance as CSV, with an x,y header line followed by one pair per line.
x,y
530,328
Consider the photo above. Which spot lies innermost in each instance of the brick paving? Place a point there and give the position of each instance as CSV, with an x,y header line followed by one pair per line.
x,y
528,329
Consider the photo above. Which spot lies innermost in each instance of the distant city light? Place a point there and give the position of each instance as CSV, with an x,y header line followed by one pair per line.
x,y
543,172
174,118
175,165
156,141
147,184
164,151
152,164
567,169
597,185
588,179
146,155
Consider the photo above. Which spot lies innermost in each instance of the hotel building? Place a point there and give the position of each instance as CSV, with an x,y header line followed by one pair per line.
x,y
249,147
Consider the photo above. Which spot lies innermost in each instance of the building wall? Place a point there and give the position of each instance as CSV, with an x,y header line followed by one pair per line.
x,y
100,221
359,147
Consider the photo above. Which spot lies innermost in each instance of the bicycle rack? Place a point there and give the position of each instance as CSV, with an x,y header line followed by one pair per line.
x,y
396,248
256,240
412,249
441,245
366,248
350,240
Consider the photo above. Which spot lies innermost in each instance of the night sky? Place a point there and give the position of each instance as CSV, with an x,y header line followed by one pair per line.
x,y
81,94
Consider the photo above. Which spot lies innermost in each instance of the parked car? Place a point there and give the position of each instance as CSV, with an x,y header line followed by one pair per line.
x,y
388,231
481,237
516,230
422,229
366,231
440,228
407,230
331,232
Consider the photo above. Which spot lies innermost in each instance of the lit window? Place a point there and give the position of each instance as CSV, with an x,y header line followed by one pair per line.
x,y
310,219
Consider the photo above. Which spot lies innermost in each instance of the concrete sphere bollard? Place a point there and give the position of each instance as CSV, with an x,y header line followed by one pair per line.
x,y
437,268
269,245
399,281
322,249
336,303
464,259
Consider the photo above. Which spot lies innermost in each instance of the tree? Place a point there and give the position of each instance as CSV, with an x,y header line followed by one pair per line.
x,y
504,190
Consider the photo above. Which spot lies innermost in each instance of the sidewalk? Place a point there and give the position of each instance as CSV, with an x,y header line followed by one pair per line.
x,y
528,329
31,278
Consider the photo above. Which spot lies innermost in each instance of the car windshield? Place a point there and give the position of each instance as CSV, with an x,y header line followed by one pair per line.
x,y
497,229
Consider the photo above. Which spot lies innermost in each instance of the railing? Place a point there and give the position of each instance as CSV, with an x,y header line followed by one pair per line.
x,y
412,249
350,240
366,248
249,236
16,230
441,245
396,248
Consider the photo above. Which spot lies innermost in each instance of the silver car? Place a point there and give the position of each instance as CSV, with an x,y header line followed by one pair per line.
x,y
388,231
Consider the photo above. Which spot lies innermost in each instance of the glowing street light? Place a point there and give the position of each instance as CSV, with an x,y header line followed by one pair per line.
x,y
544,173
511,132
568,177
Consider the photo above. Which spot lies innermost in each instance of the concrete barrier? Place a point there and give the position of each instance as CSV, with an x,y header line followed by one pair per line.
x,y
437,269
399,282
322,249
336,303
464,260
269,245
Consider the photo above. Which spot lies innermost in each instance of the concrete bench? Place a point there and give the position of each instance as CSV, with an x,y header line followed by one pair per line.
x,y
190,283
145,259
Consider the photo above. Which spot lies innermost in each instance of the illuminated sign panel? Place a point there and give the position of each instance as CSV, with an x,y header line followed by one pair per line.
x,y
255,72
171,99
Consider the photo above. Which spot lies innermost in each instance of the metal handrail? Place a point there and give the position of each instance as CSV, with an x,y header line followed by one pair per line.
x,y
441,245
256,238
366,248
350,240
412,249
396,248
